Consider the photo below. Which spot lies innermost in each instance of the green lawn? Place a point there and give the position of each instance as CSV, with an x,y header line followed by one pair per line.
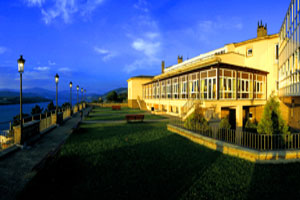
x,y
95,117
124,110
107,114
145,161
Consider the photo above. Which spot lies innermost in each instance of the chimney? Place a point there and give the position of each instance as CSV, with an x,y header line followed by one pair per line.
x,y
162,67
262,30
180,59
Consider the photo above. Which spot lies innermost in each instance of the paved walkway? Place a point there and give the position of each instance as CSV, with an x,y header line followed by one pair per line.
x,y
16,169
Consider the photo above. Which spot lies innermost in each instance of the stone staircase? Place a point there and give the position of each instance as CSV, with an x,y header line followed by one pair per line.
x,y
142,104
189,108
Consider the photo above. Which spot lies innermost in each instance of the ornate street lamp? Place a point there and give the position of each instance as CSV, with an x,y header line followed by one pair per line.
x,y
84,94
81,94
21,63
71,85
77,92
56,81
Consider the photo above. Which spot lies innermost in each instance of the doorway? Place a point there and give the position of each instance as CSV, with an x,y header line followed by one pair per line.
x,y
232,118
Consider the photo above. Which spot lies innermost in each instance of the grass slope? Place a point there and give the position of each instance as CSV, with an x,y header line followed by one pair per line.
x,y
145,161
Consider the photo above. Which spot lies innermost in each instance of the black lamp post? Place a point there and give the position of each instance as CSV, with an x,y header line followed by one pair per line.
x,y
21,63
77,92
56,81
71,85
81,94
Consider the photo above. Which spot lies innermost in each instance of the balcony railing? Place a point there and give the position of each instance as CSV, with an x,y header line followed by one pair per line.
x,y
261,142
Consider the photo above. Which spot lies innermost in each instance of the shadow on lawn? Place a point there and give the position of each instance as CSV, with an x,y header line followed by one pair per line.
x,y
272,181
107,131
159,169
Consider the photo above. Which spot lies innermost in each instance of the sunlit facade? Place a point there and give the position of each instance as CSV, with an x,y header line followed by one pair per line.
x,y
289,65
233,81
289,54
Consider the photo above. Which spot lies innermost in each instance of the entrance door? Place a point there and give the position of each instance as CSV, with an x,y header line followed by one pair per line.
x,y
232,118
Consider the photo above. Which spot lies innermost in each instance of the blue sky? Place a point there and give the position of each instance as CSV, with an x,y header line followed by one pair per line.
x,y
99,44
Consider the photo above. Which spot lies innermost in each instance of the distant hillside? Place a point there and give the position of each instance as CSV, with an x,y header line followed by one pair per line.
x,y
93,97
118,91
16,100
40,93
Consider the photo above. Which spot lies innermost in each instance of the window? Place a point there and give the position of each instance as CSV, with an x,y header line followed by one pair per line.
x,y
194,85
163,89
249,52
277,52
157,90
245,81
169,89
208,84
154,90
175,88
227,84
259,86
183,86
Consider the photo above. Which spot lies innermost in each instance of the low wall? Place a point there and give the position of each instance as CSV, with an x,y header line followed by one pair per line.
x,y
35,127
30,130
237,151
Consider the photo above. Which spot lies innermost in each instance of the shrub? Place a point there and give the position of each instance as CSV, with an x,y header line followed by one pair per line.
x,y
251,126
272,121
224,124
196,121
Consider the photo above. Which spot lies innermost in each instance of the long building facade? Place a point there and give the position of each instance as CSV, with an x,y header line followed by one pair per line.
x,y
234,81
289,65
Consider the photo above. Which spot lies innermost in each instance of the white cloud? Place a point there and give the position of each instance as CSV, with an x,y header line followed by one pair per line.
x,y
101,51
35,75
2,50
141,5
152,35
143,63
41,68
64,69
106,54
149,48
35,2
146,42
51,63
64,9
205,30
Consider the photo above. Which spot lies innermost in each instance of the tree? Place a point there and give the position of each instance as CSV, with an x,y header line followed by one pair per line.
x,y
272,121
51,106
66,105
123,97
36,110
112,96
